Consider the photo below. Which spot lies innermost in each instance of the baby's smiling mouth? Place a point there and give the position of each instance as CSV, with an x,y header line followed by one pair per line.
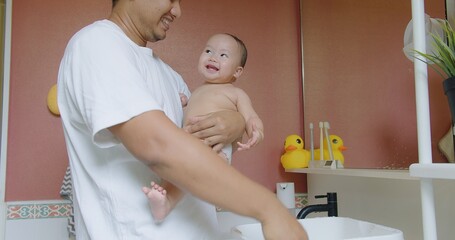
x,y
211,67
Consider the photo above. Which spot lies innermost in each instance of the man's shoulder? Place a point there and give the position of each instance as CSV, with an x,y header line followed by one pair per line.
x,y
100,37
99,28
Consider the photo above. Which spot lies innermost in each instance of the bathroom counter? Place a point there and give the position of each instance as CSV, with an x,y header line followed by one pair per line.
x,y
373,173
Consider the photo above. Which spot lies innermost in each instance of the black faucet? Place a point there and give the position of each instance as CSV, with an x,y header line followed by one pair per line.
x,y
331,207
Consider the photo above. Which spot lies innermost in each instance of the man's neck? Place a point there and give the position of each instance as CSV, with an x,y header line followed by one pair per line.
x,y
124,22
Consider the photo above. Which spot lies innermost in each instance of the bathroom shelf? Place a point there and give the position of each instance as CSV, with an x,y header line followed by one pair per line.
x,y
372,173
426,170
433,170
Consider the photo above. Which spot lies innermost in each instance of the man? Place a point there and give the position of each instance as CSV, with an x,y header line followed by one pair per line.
x,y
121,112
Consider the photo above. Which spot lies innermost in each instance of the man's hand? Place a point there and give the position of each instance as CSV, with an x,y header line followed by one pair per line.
x,y
217,129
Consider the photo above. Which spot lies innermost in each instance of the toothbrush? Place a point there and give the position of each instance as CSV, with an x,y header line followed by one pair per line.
x,y
311,142
321,141
329,145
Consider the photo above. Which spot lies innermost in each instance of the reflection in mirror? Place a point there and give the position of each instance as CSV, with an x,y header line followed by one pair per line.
x,y
450,11
358,79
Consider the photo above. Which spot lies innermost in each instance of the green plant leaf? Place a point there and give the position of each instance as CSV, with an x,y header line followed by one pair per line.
x,y
443,55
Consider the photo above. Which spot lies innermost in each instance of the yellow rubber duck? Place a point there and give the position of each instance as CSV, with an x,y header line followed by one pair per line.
x,y
337,148
52,100
295,156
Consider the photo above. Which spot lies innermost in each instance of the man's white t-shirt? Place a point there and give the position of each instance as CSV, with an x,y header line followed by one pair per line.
x,y
106,79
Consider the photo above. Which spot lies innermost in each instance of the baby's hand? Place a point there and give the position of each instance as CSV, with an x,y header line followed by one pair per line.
x,y
245,146
183,99
253,141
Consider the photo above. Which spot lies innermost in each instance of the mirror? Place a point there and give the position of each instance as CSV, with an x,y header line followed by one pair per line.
x,y
2,53
2,85
358,79
450,11
5,11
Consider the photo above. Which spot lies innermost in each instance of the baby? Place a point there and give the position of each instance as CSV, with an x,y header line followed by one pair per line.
x,y
221,63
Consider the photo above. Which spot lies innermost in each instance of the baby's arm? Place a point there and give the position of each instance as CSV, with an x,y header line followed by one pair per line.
x,y
254,125
255,135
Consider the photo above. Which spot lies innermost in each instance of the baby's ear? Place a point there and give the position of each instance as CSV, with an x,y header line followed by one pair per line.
x,y
238,72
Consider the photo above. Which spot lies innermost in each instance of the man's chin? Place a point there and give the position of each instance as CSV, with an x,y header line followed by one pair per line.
x,y
158,37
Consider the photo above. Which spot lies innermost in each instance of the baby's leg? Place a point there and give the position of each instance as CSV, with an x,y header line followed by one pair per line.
x,y
226,153
162,199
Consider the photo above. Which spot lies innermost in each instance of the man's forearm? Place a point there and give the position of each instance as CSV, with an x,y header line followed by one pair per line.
x,y
183,160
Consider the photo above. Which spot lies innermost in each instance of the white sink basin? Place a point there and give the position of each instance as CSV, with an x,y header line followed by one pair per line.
x,y
329,228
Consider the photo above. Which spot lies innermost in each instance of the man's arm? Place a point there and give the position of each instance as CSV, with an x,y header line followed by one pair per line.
x,y
183,160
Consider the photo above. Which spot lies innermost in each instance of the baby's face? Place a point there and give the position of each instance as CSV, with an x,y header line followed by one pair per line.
x,y
220,60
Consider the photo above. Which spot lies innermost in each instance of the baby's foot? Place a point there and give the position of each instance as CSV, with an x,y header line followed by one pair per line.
x,y
158,201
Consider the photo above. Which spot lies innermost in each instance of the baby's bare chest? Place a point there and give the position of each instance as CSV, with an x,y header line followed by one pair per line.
x,y
211,99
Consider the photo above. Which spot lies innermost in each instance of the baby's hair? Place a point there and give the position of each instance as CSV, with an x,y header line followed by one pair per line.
x,y
243,49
